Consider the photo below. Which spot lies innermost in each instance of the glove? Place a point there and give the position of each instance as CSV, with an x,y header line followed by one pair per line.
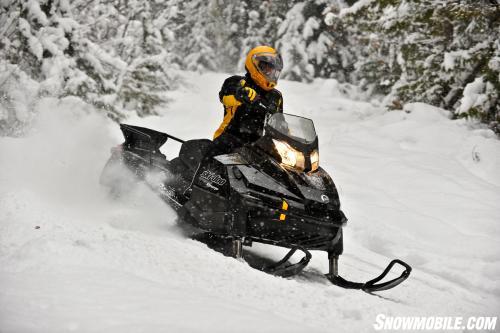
x,y
246,95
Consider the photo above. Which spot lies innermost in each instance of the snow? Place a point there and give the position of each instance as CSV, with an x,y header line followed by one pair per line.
x,y
330,18
16,99
355,7
414,184
35,13
449,61
310,26
34,44
473,95
450,58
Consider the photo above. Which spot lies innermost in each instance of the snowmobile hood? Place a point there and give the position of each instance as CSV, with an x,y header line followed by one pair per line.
x,y
263,182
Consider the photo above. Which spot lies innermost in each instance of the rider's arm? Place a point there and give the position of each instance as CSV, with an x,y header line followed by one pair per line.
x,y
227,94
234,92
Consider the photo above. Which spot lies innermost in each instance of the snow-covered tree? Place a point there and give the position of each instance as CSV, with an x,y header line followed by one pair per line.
x,y
122,55
306,40
293,45
141,36
427,51
229,22
252,36
18,94
43,40
198,49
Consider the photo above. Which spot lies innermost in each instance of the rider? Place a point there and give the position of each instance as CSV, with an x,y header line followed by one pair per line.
x,y
248,99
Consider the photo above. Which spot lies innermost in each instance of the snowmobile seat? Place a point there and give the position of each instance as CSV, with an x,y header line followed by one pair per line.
x,y
143,138
192,152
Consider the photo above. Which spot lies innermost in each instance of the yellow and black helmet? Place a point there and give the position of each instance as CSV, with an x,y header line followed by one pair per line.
x,y
264,65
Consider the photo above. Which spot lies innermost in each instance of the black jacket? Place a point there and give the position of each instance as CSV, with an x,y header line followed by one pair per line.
x,y
245,121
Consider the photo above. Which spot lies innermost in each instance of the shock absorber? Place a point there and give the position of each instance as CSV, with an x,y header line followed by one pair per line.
x,y
333,261
237,247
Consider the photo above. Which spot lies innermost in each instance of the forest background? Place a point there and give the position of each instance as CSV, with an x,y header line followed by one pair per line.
x,y
123,56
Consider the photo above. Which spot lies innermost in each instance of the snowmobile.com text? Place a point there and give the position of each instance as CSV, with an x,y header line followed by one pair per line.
x,y
387,323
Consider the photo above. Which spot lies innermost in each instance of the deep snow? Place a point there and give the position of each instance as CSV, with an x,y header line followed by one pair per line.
x,y
414,184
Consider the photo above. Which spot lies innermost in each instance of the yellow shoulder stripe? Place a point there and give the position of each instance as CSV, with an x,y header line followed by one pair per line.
x,y
230,111
230,100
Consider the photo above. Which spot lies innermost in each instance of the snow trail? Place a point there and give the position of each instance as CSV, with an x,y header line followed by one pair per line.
x,y
414,185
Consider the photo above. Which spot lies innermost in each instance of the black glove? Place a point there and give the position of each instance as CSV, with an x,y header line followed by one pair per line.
x,y
245,95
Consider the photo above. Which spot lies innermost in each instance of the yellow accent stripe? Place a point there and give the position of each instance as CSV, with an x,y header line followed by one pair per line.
x,y
230,110
282,217
230,100
285,205
230,105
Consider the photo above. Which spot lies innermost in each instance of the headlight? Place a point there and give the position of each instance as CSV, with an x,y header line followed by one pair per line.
x,y
314,160
289,156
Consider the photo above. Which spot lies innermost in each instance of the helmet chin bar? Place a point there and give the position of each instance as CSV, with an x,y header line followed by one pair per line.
x,y
262,82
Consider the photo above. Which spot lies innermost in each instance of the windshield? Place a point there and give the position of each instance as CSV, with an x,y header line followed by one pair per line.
x,y
295,127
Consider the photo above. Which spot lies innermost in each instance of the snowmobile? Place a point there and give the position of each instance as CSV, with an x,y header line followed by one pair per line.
x,y
271,191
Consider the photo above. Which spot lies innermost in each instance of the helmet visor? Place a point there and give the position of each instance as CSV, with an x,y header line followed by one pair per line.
x,y
269,65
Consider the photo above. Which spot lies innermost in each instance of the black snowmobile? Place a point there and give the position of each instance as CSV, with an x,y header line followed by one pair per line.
x,y
272,191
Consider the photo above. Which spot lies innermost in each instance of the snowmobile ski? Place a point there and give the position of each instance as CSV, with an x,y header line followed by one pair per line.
x,y
369,286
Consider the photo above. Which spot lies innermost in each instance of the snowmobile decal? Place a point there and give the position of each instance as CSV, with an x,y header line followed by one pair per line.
x,y
212,177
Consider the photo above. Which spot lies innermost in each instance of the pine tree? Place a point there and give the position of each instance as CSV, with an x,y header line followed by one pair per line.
x,y
292,45
48,45
198,50
147,78
252,38
309,42
231,19
141,35
427,51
